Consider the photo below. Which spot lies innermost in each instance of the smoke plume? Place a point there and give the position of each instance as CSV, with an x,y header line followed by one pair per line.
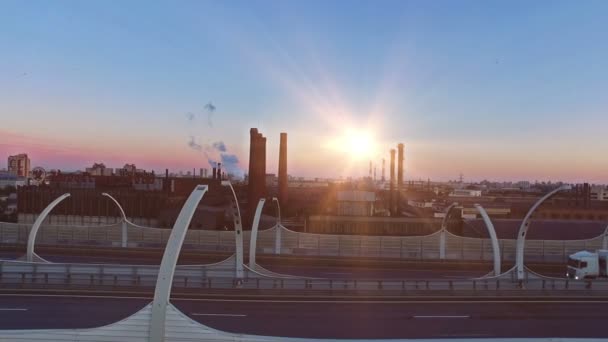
x,y
194,145
210,108
220,146
213,152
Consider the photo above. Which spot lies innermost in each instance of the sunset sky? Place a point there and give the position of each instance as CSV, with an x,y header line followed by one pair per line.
x,y
505,90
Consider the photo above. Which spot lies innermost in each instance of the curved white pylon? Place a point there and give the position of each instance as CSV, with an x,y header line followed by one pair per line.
x,y
238,231
493,237
444,228
124,219
166,271
254,232
605,239
523,230
276,200
32,237
277,232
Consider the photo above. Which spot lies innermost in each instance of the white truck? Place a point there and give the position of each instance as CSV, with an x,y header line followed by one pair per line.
x,y
585,265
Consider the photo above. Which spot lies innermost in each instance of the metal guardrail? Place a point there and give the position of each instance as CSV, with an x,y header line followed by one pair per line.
x,y
104,271
81,276
84,280
296,243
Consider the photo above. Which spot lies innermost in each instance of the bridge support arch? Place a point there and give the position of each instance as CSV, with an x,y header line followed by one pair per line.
x,y
164,281
31,239
124,222
523,230
444,229
493,238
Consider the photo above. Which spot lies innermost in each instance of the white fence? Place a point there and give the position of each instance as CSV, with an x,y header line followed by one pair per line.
x,y
295,243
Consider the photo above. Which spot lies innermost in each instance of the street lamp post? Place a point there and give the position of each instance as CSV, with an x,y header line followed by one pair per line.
x,y
124,220
523,230
278,228
31,240
238,230
493,238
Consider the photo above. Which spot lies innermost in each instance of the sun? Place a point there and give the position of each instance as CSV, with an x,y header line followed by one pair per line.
x,y
357,144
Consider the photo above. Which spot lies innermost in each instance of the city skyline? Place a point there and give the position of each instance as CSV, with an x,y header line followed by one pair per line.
x,y
467,89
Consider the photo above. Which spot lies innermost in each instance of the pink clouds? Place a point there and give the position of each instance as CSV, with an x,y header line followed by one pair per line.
x,y
39,150
54,153
439,162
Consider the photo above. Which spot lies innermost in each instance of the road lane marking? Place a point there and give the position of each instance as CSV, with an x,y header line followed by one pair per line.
x,y
442,316
339,273
12,309
218,314
393,300
465,335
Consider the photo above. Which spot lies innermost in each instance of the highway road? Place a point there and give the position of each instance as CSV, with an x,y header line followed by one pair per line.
x,y
7,255
334,272
377,272
310,266
411,270
328,319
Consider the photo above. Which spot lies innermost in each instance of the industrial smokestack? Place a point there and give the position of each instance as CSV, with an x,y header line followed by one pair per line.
x,y
587,194
262,166
166,183
392,183
400,159
370,169
219,171
383,172
214,173
399,173
261,169
374,173
253,133
253,167
283,171
257,169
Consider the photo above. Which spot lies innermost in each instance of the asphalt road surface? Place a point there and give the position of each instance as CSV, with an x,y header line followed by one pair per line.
x,y
328,319
7,255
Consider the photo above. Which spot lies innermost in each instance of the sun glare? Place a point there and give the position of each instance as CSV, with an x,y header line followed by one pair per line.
x,y
357,144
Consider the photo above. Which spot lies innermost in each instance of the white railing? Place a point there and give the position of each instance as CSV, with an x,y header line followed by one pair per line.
x,y
297,243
